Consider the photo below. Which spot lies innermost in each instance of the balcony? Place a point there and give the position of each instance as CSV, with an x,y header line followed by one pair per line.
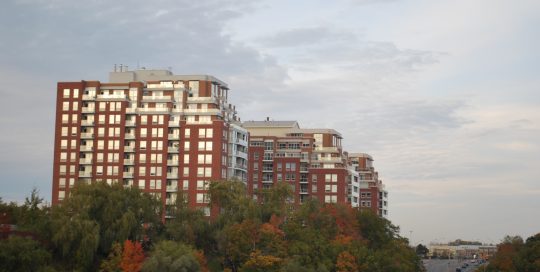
x,y
87,123
85,174
127,174
241,154
88,110
304,191
112,97
268,181
156,99
129,161
85,161
172,188
130,123
85,148
173,162
88,97
130,136
172,175
174,136
131,110
153,110
202,112
206,100
87,135
129,149
174,123
172,149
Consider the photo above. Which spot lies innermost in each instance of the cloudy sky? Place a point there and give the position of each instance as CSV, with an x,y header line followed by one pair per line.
x,y
444,94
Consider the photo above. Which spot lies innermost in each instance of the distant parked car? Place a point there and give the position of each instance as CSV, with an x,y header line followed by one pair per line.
x,y
458,269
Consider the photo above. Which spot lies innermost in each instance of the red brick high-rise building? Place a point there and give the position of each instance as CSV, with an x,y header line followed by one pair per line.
x,y
164,133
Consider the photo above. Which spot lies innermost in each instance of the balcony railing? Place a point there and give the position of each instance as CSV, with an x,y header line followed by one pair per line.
x,y
85,161
127,174
88,110
130,123
173,175
129,161
172,188
130,136
85,148
162,98
153,110
87,135
172,162
171,149
85,174
87,123
112,96
88,97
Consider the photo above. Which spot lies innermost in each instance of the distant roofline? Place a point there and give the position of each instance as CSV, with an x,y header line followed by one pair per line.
x,y
360,155
159,75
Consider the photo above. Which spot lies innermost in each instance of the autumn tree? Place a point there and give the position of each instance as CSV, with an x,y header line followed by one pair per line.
x,y
132,257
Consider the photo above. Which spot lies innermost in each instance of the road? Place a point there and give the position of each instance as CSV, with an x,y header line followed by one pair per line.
x,y
436,265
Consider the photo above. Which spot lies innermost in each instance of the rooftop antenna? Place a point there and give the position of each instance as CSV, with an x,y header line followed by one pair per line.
x,y
121,67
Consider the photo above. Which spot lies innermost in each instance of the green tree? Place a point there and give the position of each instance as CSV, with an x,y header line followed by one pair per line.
x,y
421,250
171,256
22,254
112,263
96,216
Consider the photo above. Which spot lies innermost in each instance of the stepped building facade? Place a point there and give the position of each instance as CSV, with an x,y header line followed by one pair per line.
x,y
172,134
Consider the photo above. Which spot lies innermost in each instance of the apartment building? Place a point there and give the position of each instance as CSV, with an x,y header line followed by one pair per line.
x,y
373,194
311,161
164,133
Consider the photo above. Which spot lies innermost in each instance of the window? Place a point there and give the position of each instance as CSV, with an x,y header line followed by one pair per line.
x,y
185,185
142,184
144,132
255,166
75,105
186,172
64,131
204,159
330,177
203,198
75,93
186,146
330,199
187,132
66,93
202,185
74,118
206,133
65,106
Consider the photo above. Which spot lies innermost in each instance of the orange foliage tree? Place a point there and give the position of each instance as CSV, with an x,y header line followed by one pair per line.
x,y
132,257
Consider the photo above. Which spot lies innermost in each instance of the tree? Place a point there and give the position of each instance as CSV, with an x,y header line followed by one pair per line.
x,y
421,250
171,256
260,262
112,263
22,254
97,215
132,257
346,262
